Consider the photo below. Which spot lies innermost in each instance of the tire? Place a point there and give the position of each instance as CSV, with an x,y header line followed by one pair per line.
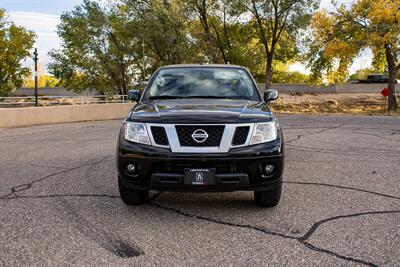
x,y
268,199
132,197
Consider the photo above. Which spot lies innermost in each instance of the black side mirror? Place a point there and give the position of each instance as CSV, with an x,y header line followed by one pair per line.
x,y
134,95
270,95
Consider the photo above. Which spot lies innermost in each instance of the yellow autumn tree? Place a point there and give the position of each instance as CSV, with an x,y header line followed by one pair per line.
x,y
44,80
339,36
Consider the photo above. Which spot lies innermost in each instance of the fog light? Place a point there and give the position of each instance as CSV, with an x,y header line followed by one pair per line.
x,y
131,168
269,169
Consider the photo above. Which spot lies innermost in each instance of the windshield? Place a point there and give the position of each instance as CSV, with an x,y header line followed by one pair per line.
x,y
207,82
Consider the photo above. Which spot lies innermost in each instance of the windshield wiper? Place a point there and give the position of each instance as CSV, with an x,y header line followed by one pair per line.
x,y
165,97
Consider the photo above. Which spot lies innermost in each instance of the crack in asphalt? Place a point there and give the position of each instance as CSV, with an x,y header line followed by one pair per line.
x,y
303,239
343,187
294,139
359,148
26,186
325,129
381,137
341,152
337,255
46,166
354,130
369,132
333,151
316,225
344,126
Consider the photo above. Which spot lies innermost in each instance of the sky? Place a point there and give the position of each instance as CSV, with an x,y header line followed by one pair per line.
x,y
42,17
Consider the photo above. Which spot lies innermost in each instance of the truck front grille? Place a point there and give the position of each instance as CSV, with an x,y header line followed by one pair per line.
x,y
241,134
159,135
214,133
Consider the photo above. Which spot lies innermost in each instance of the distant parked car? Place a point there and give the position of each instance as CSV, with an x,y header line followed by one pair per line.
x,y
375,78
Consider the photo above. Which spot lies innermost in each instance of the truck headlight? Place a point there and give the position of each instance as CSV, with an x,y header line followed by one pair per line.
x,y
136,132
264,132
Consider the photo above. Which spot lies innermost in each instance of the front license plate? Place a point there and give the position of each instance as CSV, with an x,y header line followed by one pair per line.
x,y
199,176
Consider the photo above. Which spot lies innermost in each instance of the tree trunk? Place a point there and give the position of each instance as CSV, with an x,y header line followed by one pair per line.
x,y
268,71
203,16
220,45
392,103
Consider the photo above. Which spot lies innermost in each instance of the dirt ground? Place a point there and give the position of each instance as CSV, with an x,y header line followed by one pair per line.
x,y
354,103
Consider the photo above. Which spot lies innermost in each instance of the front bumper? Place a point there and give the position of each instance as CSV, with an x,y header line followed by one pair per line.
x,y
240,169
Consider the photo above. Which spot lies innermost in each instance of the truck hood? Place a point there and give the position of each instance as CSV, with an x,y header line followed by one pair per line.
x,y
200,111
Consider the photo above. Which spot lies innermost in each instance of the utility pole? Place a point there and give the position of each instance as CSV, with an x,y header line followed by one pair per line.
x,y
35,59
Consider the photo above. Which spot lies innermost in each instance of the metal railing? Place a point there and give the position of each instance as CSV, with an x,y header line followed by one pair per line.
x,y
26,101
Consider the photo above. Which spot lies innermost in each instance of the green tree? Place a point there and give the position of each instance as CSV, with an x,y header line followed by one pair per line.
x,y
15,45
278,24
339,36
218,29
163,29
202,13
99,50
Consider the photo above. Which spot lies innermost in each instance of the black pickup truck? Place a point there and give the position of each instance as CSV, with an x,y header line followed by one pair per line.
x,y
201,128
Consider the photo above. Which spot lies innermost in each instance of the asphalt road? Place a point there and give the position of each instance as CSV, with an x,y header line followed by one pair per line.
x,y
59,202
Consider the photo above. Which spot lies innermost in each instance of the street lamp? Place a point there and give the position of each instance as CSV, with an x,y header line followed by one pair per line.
x,y
35,59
